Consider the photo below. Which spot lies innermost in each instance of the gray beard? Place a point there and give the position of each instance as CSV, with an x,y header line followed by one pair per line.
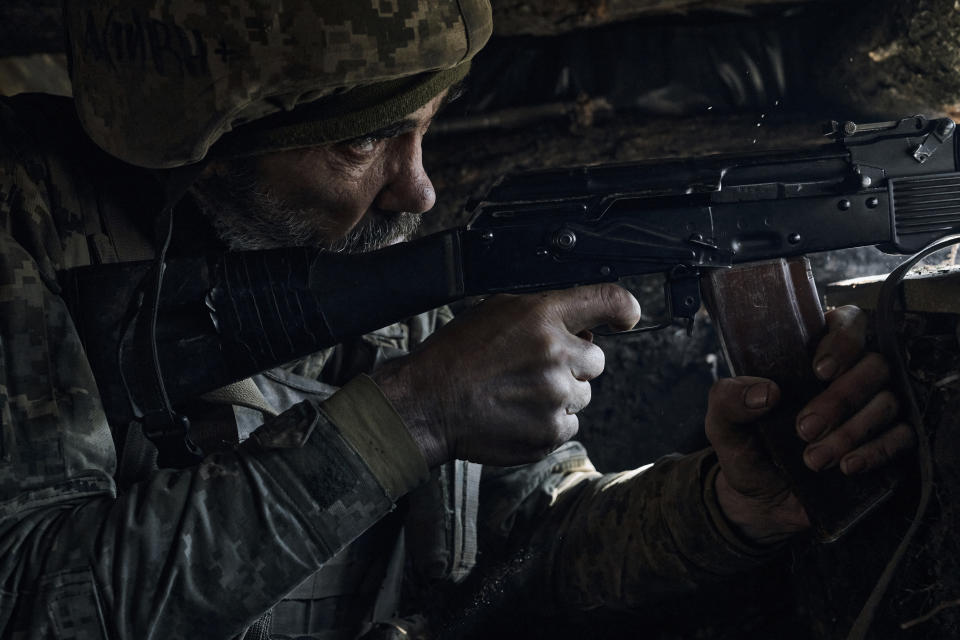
x,y
246,217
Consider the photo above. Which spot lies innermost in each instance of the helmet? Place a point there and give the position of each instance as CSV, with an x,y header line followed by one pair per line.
x,y
158,82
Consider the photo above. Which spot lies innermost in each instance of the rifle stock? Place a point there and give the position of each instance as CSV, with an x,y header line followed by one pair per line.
x,y
223,318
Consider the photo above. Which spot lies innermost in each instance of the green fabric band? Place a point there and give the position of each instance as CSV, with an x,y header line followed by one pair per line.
x,y
341,117
367,420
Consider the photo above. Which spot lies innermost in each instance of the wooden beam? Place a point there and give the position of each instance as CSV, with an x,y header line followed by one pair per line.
x,y
933,289
551,17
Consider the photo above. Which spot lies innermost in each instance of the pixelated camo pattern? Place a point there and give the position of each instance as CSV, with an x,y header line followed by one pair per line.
x,y
204,551
184,554
158,81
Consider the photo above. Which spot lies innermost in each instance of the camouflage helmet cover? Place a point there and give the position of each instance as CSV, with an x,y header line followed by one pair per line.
x,y
157,82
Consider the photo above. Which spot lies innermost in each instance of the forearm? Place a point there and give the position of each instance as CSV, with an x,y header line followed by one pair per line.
x,y
204,550
626,540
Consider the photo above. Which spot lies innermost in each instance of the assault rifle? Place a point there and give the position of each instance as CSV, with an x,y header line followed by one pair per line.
x,y
220,318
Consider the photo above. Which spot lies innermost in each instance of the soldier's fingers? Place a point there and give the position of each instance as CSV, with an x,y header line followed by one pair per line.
x,y
570,424
586,307
734,403
879,413
843,398
842,346
586,359
880,451
578,398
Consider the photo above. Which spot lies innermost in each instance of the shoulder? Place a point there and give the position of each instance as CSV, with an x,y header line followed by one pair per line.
x,y
28,118
55,182
37,125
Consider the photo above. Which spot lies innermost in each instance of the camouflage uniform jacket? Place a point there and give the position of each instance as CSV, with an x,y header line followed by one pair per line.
x,y
307,506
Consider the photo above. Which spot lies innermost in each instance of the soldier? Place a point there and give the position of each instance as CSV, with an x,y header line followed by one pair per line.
x,y
263,124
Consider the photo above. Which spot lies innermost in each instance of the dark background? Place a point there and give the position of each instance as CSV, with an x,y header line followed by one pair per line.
x,y
570,82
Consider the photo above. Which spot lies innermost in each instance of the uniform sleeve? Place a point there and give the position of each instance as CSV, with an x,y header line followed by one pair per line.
x,y
198,552
620,540
623,540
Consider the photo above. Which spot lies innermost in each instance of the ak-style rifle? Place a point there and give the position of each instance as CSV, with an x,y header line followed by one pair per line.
x,y
220,318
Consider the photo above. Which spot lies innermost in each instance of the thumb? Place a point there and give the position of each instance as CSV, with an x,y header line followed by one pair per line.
x,y
590,306
735,403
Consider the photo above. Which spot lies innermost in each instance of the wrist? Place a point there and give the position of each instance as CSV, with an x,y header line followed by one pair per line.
x,y
763,520
397,384
366,420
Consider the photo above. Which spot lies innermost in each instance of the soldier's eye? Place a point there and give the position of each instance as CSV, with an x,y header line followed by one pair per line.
x,y
363,145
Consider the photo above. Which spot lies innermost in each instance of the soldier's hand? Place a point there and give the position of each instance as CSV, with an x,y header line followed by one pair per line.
x,y
503,382
853,424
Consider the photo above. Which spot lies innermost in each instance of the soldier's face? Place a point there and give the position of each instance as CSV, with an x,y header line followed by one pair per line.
x,y
355,196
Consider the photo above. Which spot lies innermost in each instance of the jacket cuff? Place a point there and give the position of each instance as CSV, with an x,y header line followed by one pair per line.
x,y
370,424
701,530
